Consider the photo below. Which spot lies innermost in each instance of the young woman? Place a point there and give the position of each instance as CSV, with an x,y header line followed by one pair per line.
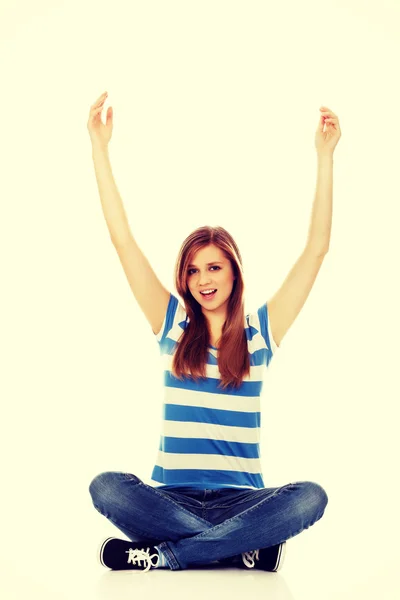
x,y
208,504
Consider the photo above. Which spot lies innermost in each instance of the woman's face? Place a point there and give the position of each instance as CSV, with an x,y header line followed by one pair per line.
x,y
202,276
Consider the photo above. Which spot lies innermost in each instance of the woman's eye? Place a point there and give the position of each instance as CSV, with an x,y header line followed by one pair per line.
x,y
213,267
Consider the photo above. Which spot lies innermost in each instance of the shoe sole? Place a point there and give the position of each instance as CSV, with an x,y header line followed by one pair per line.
x,y
101,550
281,557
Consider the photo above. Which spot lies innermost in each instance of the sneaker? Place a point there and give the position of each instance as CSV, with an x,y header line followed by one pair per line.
x,y
266,559
122,554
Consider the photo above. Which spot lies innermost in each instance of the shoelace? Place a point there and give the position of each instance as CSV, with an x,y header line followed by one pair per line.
x,y
139,555
248,558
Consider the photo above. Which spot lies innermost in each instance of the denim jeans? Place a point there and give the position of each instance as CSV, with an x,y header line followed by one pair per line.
x,y
199,527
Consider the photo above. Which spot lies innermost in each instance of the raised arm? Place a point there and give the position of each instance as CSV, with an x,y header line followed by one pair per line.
x,y
149,292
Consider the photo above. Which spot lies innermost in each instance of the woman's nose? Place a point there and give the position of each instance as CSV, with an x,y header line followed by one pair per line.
x,y
204,280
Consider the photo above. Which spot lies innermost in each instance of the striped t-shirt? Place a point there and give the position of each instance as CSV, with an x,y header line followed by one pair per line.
x,y
211,437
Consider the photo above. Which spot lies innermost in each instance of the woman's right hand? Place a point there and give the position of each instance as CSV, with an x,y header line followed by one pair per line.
x,y
99,133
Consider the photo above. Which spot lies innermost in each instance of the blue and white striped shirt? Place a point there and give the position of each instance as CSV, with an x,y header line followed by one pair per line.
x,y
211,437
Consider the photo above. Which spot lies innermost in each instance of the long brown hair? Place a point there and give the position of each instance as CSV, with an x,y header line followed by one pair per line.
x,y
192,351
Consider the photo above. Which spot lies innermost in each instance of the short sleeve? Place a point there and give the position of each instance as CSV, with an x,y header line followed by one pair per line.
x,y
266,328
174,322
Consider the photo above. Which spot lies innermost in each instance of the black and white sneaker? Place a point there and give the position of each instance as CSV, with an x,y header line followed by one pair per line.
x,y
119,554
266,559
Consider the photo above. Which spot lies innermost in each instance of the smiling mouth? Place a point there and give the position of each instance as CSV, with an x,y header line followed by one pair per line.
x,y
209,295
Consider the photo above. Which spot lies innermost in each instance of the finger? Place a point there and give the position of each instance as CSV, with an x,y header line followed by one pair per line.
x,y
102,96
94,113
101,99
97,109
328,113
331,120
332,123
99,104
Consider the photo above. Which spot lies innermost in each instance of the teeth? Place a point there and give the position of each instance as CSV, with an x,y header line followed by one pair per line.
x,y
207,293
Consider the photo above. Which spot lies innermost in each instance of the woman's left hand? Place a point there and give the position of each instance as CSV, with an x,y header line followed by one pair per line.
x,y
325,141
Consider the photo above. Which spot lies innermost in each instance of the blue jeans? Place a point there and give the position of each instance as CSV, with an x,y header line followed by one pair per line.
x,y
199,527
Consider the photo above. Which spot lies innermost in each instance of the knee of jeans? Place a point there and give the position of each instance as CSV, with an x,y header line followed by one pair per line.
x,y
106,487
101,486
96,484
319,497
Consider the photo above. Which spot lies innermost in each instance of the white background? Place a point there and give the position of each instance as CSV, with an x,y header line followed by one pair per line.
x,y
215,109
